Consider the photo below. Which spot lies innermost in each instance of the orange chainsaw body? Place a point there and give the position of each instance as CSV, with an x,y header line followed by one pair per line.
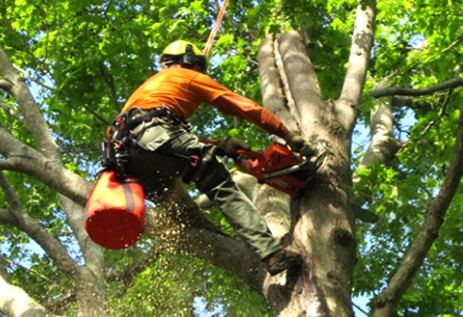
x,y
277,166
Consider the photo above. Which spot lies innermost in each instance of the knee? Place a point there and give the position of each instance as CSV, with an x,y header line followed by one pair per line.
x,y
216,173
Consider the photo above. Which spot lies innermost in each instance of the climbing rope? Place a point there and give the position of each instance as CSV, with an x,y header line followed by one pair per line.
x,y
215,28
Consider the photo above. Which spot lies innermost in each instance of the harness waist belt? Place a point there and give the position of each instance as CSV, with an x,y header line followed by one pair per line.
x,y
136,116
136,120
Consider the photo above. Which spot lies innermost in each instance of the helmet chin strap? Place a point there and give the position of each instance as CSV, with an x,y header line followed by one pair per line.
x,y
215,28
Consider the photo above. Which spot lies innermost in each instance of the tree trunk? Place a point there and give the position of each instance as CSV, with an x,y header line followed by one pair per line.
x,y
322,219
91,294
323,223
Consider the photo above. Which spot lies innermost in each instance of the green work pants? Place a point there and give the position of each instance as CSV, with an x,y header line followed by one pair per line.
x,y
174,141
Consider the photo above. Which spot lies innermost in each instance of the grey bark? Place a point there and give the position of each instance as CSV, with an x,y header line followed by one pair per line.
x,y
16,303
383,145
273,88
322,227
400,91
362,41
302,82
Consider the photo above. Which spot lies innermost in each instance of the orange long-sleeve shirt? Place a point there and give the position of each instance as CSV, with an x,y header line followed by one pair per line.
x,y
184,90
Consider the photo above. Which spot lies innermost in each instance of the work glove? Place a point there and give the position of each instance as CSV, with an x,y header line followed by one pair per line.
x,y
231,145
298,144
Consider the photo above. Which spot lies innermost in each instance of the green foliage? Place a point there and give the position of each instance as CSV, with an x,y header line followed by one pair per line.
x,y
174,283
83,58
401,194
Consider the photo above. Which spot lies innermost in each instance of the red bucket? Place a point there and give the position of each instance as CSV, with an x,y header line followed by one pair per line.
x,y
115,212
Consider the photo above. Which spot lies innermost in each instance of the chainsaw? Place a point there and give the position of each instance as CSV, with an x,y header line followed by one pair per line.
x,y
279,167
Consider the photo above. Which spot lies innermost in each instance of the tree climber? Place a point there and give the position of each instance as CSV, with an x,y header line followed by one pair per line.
x,y
162,147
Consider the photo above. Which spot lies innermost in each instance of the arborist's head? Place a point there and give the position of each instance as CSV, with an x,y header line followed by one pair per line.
x,y
185,54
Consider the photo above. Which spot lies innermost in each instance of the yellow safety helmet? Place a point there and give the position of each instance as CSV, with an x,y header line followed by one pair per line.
x,y
184,53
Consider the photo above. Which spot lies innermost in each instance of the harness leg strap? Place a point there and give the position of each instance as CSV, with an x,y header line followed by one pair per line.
x,y
196,170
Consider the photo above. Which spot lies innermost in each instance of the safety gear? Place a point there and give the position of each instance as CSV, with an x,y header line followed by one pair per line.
x,y
184,53
281,261
298,144
124,131
231,145
199,165
183,91
136,120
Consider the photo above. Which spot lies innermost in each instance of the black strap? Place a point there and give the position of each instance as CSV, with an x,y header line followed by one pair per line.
x,y
128,197
137,116
198,164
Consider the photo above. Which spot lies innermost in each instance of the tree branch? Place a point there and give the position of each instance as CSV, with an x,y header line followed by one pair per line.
x,y
53,248
383,144
35,80
274,207
215,248
24,159
417,60
5,85
398,91
93,253
383,147
3,272
225,252
362,41
387,301
39,129
183,226
6,217
299,69
12,112
14,302
35,122
271,85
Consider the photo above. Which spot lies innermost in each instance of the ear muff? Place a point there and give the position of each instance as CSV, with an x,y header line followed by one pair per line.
x,y
188,59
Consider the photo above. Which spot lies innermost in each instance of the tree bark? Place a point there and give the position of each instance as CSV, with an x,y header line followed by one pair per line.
x,y
302,82
383,146
323,228
319,224
399,91
272,85
16,303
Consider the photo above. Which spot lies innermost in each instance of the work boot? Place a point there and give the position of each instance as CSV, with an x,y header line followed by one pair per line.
x,y
281,261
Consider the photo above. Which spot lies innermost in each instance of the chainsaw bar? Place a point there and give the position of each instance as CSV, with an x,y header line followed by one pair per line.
x,y
308,166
